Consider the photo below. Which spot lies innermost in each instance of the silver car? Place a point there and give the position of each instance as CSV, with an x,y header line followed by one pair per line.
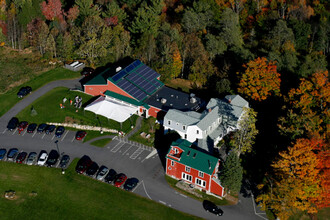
x,y
31,158
103,171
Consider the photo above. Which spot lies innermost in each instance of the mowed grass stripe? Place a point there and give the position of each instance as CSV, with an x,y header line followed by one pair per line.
x,y
71,196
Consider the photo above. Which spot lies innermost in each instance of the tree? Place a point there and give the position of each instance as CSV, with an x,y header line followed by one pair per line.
x,y
52,9
215,45
231,174
260,79
112,10
313,62
223,86
50,46
296,182
307,107
201,69
87,8
68,45
230,28
243,138
176,64
72,14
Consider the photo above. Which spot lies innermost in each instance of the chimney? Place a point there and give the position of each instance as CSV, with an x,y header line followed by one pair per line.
x,y
118,69
210,109
229,101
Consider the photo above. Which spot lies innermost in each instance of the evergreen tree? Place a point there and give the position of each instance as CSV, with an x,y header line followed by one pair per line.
x,y
232,173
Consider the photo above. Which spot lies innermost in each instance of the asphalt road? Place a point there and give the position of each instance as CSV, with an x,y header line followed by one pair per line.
x,y
123,157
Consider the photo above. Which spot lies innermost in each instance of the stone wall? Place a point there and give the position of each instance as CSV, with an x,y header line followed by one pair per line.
x,y
84,127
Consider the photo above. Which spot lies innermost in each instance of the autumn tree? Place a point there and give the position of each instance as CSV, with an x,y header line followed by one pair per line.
x,y
295,185
176,64
231,174
52,9
260,79
243,138
307,107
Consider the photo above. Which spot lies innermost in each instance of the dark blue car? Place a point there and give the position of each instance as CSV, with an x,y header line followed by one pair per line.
x,y
24,91
12,153
49,129
12,124
41,128
59,131
2,153
31,128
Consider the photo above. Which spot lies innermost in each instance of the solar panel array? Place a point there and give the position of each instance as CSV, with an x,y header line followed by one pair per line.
x,y
138,80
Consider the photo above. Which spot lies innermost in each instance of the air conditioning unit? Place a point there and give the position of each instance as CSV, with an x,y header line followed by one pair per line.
x,y
163,101
118,69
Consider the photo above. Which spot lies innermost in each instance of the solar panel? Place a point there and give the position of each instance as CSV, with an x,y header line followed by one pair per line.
x,y
130,68
136,63
119,75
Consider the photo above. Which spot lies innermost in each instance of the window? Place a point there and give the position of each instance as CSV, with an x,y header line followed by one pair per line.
x,y
201,174
187,169
172,163
200,182
184,127
169,122
185,136
176,151
186,177
197,131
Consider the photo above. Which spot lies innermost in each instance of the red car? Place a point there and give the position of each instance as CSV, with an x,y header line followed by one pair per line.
x,y
22,125
80,135
120,180
21,157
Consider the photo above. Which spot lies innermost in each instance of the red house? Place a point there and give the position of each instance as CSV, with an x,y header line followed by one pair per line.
x,y
194,167
138,83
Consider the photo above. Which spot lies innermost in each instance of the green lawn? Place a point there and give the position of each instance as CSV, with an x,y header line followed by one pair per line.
x,y
71,196
9,99
48,109
145,127
101,142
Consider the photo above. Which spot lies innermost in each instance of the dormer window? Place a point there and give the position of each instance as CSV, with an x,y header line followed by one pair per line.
x,y
184,127
187,169
169,122
176,151
197,131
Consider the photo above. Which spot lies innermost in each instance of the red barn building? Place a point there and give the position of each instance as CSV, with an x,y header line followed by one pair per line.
x,y
139,85
194,167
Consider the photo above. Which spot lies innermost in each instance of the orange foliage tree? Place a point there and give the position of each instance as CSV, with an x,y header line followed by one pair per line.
x,y
260,79
307,107
296,186
177,63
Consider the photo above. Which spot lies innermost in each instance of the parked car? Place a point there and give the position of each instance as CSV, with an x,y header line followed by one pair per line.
x,y
120,180
41,128
2,153
83,164
111,176
59,131
130,184
52,158
103,171
87,71
80,135
211,207
24,91
42,158
12,124
31,128
31,158
21,157
12,153
64,161
49,129
92,169
22,125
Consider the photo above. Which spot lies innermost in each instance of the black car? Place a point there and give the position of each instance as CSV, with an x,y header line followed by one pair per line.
x,y
64,161
49,129
12,153
24,91
59,131
83,164
131,184
111,176
21,157
92,169
87,71
12,124
41,128
211,207
52,158
2,153
31,128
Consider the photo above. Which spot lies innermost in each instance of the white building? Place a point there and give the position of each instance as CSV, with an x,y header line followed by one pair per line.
x,y
206,129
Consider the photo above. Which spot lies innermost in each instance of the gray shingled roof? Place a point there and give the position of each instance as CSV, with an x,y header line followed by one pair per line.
x,y
209,119
185,118
237,100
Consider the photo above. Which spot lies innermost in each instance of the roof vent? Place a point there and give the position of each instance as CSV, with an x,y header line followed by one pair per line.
x,y
171,104
194,155
157,100
177,97
193,100
188,153
172,95
192,95
209,164
163,100
118,69
185,104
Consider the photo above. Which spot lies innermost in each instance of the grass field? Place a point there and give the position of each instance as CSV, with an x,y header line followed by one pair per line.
x,y
101,142
48,109
71,196
9,99
145,127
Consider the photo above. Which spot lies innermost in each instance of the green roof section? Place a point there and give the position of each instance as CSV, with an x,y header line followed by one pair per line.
x,y
100,79
126,99
194,158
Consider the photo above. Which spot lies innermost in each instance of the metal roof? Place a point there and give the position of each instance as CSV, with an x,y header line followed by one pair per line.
x,y
194,158
184,118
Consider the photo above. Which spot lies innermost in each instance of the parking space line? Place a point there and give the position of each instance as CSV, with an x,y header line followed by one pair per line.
x,y
4,131
117,147
53,137
14,131
73,139
43,136
127,149
24,132
65,135
34,134
136,153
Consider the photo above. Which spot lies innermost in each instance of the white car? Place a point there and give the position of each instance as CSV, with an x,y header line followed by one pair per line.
x,y
103,171
42,158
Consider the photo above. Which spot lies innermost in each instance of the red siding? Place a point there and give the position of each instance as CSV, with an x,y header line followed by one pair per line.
x,y
174,171
153,111
206,178
216,188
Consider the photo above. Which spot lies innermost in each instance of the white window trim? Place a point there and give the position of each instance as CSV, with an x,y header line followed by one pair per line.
x,y
187,169
186,177
200,174
172,163
201,184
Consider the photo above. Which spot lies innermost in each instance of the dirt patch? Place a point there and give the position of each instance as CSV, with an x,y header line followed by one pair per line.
x,y
184,84
70,120
18,178
233,200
